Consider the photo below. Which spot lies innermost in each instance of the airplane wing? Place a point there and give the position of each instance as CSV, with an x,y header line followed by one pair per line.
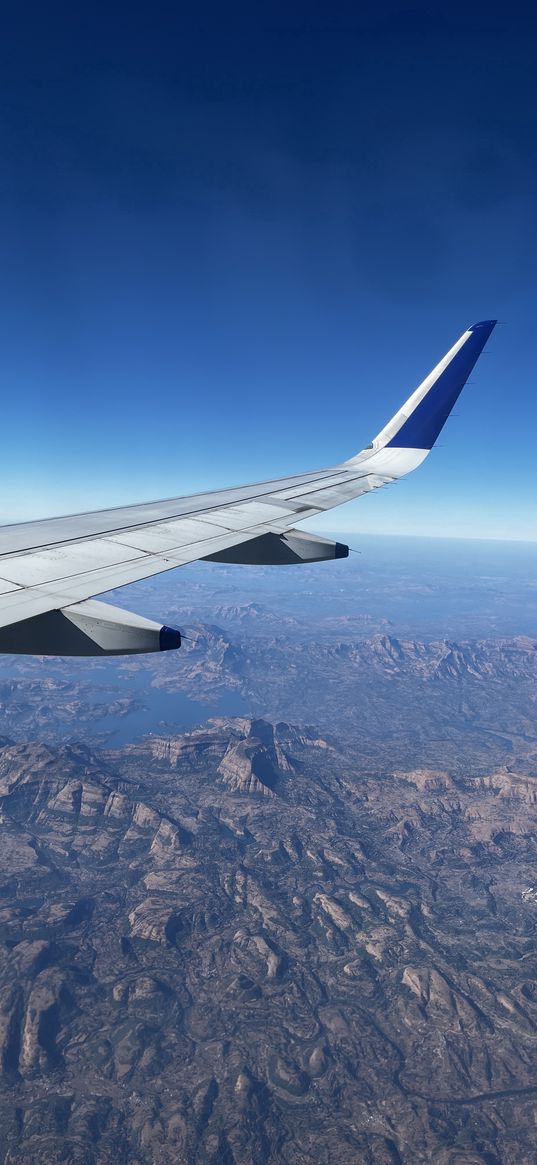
x,y
50,570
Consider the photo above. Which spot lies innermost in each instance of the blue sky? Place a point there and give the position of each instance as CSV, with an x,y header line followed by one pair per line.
x,y
234,238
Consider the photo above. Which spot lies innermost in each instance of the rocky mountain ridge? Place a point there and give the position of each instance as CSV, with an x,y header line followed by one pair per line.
x,y
475,698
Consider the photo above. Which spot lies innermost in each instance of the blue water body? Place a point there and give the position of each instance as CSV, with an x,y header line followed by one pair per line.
x,y
165,713
101,703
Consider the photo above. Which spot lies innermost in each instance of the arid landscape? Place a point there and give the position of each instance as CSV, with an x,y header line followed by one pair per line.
x,y
258,935
233,945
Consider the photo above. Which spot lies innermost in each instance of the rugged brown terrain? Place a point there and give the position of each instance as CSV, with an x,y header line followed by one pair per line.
x,y
239,945
385,697
389,701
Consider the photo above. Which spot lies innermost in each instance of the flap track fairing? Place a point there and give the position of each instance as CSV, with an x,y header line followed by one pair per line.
x,y
282,550
88,628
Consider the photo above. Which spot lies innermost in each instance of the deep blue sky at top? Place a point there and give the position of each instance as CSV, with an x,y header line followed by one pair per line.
x,y
233,237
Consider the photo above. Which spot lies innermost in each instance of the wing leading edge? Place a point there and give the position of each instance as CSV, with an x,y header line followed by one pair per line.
x,y
50,569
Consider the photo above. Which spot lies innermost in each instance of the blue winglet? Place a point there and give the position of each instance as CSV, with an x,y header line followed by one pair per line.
x,y
421,428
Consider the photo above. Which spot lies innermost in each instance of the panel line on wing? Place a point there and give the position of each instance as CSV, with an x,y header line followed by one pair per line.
x,y
150,514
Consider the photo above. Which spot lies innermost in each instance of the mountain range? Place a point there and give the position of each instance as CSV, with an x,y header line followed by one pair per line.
x,y
237,944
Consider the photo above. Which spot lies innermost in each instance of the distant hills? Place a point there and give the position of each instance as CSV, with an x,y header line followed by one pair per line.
x,y
396,702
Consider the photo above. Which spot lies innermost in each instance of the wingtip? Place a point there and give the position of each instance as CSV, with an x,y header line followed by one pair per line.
x,y
422,419
484,326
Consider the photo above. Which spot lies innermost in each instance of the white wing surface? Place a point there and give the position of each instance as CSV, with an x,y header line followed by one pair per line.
x,y
50,569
